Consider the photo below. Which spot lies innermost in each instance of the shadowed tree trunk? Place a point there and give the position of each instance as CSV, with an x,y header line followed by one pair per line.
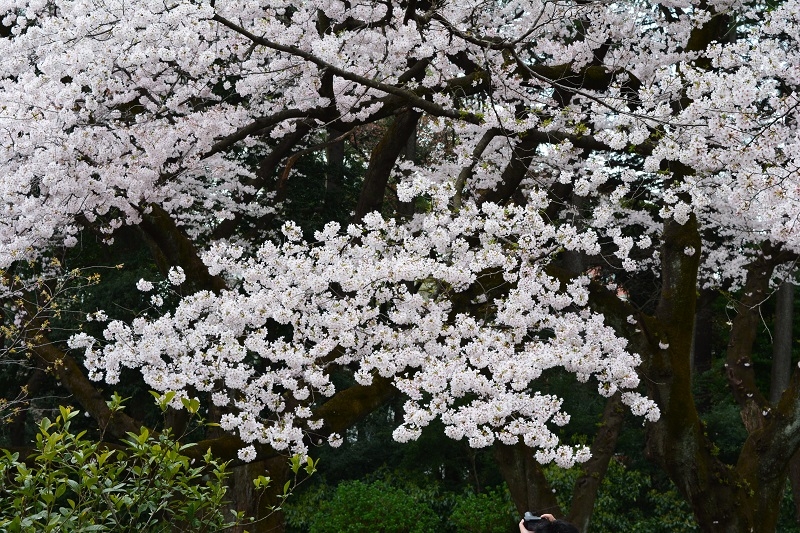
x,y
515,171
702,342
794,479
243,496
382,161
35,383
584,492
525,479
677,441
529,488
724,498
782,369
782,342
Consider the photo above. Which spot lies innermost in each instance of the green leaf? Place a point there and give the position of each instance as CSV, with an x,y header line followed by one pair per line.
x,y
191,404
163,400
311,465
262,482
294,461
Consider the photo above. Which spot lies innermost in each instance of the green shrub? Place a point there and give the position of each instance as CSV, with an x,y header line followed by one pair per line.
x,y
787,522
75,484
377,507
146,485
488,512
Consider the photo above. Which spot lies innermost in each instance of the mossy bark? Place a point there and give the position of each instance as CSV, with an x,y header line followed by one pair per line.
x,y
724,498
678,441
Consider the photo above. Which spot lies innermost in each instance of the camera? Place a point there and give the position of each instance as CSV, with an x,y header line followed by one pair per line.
x,y
530,520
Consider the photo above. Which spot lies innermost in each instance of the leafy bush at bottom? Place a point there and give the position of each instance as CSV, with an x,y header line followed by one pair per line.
x,y
75,484
487,512
377,507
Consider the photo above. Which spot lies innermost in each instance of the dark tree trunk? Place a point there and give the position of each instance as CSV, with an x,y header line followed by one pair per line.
x,y
529,488
112,424
794,479
172,247
263,506
382,161
35,382
584,493
515,171
724,498
782,342
677,440
525,479
702,342
782,369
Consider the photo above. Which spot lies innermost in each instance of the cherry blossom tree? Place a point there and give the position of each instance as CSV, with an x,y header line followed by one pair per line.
x,y
588,168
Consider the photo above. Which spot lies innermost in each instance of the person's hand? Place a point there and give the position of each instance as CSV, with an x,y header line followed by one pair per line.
x,y
546,516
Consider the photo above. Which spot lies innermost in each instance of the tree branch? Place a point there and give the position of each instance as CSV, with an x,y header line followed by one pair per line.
x,y
411,97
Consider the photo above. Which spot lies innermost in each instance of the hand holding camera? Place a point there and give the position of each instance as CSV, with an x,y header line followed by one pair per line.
x,y
545,523
530,520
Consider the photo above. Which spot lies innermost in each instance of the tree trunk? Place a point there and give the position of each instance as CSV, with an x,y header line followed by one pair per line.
x,y
530,490
703,331
794,479
782,369
723,498
515,171
382,161
525,479
782,342
35,383
584,493
677,440
243,496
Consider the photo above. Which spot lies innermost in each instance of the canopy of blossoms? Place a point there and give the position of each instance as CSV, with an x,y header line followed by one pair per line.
x,y
582,129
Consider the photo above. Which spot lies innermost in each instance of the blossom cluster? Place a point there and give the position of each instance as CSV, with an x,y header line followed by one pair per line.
x,y
379,298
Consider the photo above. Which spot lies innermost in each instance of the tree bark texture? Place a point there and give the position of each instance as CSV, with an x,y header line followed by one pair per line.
x,y
584,493
525,479
782,342
724,498
382,161
703,336
678,440
782,369
243,496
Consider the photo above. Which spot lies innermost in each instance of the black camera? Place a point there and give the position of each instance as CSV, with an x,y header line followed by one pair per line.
x,y
530,520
